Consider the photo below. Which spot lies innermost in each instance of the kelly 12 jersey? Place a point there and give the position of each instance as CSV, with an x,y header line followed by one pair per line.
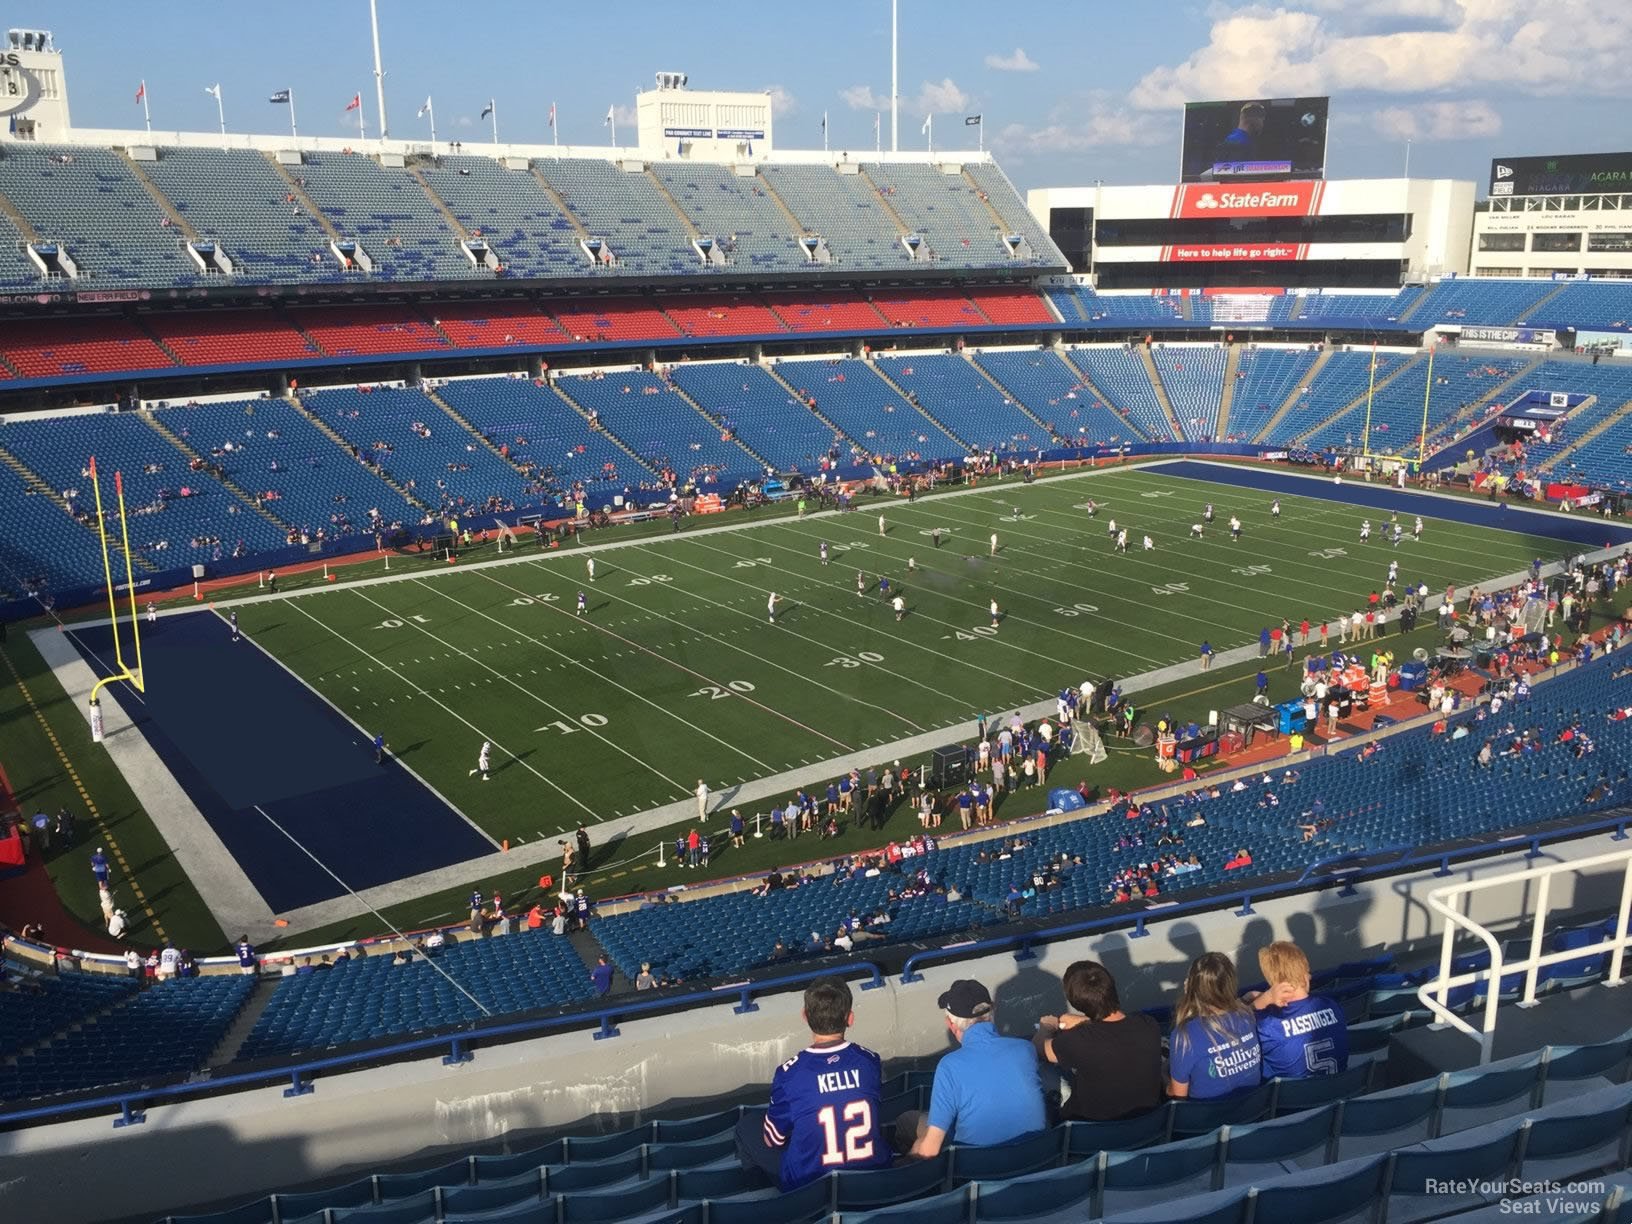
x,y
824,1113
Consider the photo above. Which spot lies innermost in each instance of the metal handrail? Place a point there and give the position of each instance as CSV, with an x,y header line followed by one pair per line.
x,y
1443,901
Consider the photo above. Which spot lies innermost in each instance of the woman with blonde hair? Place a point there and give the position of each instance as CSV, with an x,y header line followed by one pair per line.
x,y
1213,1050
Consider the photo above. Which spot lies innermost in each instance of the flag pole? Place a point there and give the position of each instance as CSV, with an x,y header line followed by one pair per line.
x,y
612,119
493,108
1371,388
555,127
1427,392
379,71
929,132
147,116
824,131
293,131
220,111
895,76
878,134
430,109
980,134
362,130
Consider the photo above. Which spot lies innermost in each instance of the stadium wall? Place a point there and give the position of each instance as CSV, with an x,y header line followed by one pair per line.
x,y
231,1148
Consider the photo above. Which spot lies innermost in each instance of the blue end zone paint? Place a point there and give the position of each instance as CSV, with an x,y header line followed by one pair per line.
x,y
238,730
1586,530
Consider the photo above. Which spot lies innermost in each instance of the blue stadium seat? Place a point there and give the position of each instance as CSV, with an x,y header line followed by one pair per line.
x,y
1342,1192
1198,1117
1476,1159
1292,1095
493,1195
1135,1179
412,1209
1028,1155
592,1175
801,1206
1384,1120
590,1208
1063,1193
1267,1149
947,1208
865,1189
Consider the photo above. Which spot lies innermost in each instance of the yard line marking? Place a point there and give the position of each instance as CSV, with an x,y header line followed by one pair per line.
x,y
607,680
758,658
565,794
638,647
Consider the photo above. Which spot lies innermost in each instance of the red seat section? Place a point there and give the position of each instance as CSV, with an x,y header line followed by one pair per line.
x,y
230,337
349,331
821,312
615,319
1012,306
49,348
495,324
722,315
944,308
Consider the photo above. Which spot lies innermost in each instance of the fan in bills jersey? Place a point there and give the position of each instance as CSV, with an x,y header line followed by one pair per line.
x,y
825,1100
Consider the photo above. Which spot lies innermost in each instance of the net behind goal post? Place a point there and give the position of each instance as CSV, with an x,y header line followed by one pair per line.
x,y
1085,740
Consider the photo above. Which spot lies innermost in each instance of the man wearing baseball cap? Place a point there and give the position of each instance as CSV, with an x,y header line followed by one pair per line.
x,y
988,1090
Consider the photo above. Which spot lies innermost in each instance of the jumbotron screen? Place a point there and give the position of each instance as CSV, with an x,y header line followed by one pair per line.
x,y
1254,138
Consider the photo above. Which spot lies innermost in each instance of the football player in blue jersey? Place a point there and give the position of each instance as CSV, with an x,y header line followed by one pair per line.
x,y
825,1101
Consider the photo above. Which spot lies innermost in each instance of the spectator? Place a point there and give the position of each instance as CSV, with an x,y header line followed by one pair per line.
x,y
601,976
1114,1060
644,979
1301,1035
1214,1047
825,1101
246,956
987,1091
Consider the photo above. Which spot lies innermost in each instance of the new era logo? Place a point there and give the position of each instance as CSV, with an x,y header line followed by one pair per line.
x,y
1503,172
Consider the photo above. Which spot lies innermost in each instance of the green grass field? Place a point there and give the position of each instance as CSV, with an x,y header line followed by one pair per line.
x,y
676,674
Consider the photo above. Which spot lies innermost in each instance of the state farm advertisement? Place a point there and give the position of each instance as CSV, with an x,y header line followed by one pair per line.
x,y
1262,200
1204,252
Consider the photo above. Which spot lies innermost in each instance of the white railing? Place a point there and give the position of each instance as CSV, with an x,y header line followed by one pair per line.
x,y
1444,902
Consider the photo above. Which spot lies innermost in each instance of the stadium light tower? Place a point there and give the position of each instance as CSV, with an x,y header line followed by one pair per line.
x,y
379,72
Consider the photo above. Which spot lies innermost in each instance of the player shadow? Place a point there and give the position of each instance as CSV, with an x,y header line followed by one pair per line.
x,y
269,628
407,748
517,759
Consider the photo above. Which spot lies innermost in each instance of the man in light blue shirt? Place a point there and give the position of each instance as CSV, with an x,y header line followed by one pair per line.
x,y
988,1090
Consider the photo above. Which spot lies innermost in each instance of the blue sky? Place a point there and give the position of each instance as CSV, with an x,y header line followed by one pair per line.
x,y
1072,90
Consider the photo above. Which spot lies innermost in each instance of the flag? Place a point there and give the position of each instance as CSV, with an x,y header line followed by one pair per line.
x,y
552,116
824,123
141,91
608,118
214,91
281,96
488,109
355,103
424,108
971,120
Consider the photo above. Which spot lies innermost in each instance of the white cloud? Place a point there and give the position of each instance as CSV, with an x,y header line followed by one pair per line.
x,y
626,115
862,97
1439,121
1321,46
1018,62
939,98
465,121
933,97
1084,122
782,102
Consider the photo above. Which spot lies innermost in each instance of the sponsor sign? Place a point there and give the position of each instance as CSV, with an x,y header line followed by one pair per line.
x,y
1296,199
1571,174
1508,335
1214,251
677,133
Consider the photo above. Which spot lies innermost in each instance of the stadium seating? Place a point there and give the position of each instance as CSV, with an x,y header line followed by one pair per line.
x,y
626,209
496,324
229,337
953,391
819,312
760,412
845,211
42,549
438,461
735,211
715,314
868,410
957,223
167,1030
235,198
46,349
1009,205
1468,300
1264,380
53,1003
648,415
1611,385
88,200
1054,392
386,212
1345,309
1011,306
509,210
1193,377
535,425
177,516
279,455
352,331
1120,376
947,308
1345,376
1590,305
1462,381
615,319
377,996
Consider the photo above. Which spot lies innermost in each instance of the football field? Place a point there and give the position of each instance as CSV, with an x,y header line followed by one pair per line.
x,y
677,673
